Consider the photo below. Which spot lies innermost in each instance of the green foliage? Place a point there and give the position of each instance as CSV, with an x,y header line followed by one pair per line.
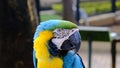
x,y
45,17
90,7
57,7
118,5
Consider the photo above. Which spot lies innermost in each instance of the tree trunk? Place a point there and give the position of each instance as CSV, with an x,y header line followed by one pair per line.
x,y
16,32
67,11
113,5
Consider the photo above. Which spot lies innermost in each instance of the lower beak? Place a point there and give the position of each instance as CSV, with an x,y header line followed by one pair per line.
x,y
73,43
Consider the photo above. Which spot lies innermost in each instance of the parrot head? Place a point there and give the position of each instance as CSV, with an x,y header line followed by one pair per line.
x,y
65,37
66,40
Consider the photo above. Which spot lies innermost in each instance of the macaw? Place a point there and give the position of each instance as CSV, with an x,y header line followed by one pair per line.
x,y
56,43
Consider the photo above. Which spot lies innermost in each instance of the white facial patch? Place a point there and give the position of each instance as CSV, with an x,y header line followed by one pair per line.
x,y
60,35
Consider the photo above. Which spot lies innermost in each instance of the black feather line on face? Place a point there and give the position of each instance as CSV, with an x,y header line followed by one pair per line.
x,y
54,51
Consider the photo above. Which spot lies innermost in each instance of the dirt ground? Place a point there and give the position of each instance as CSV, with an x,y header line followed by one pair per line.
x,y
115,28
101,54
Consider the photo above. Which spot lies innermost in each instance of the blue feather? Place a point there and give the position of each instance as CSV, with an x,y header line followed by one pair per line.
x,y
46,26
72,60
68,60
34,59
78,62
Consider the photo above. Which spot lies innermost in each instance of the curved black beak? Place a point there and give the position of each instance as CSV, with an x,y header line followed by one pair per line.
x,y
73,43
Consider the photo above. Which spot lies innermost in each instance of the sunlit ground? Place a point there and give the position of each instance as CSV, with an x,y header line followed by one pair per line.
x,y
101,56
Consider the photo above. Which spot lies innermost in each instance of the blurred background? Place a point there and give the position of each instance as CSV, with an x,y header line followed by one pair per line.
x,y
19,18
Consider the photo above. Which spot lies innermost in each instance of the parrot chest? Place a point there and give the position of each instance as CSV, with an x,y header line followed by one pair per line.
x,y
50,63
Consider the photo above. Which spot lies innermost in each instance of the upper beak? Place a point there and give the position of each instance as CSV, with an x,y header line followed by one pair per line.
x,y
73,43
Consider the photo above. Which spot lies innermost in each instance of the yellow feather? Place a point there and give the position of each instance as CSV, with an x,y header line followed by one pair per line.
x,y
42,53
